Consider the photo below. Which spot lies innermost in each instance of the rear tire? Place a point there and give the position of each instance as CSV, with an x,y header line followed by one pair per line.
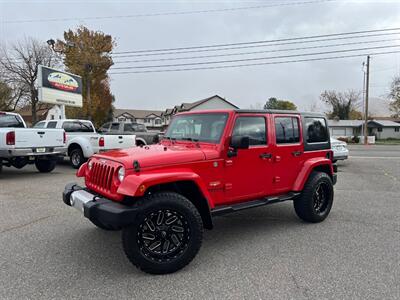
x,y
76,158
166,234
45,165
316,200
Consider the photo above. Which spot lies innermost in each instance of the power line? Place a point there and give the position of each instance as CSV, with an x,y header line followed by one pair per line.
x,y
255,59
169,13
256,52
254,64
258,46
259,42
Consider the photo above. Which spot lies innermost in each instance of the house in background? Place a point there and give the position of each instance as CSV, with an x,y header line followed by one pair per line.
x,y
150,118
381,129
159,120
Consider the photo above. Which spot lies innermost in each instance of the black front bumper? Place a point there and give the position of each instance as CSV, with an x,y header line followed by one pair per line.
x,y
99,209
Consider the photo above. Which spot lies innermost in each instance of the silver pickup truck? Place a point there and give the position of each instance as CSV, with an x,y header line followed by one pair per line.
x,y
20,146
143,137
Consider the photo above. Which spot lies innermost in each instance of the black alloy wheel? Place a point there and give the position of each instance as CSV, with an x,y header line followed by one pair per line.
x,y
163,235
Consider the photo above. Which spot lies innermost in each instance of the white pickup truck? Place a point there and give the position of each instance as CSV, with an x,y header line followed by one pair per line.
x,y
20,146
83,141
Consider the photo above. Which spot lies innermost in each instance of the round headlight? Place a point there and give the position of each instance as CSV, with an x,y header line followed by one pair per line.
x,y
121,174
90,164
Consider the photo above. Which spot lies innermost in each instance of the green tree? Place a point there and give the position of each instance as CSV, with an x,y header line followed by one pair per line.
x,y
88,54
394,97
343,105
274,103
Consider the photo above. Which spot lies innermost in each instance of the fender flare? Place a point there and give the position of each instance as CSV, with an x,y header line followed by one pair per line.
x,y
306,170
136,186
87,148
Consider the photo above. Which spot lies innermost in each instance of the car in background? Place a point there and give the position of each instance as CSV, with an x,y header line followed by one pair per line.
x,y
143,136
339,148
83,141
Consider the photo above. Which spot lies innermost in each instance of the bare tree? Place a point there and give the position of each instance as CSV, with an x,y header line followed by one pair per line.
x,y
394,97
19,70
343,105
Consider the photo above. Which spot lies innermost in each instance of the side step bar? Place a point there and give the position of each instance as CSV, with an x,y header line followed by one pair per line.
x,y
221,210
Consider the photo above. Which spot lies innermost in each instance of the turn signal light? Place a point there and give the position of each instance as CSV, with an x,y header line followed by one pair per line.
x,y
65,137
10,138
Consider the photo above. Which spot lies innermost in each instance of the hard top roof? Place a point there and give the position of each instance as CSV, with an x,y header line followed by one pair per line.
x,y
277,111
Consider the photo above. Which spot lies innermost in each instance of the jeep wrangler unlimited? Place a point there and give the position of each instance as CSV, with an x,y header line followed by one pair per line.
x,y
209,163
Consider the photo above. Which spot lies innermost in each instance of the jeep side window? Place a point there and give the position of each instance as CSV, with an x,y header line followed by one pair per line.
x,y
316,130
253,127
287,130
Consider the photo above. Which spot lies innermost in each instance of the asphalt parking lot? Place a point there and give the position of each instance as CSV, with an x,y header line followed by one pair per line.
x,y
49,251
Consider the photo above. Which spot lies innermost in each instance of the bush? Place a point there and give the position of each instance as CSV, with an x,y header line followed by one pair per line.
x,y
356,139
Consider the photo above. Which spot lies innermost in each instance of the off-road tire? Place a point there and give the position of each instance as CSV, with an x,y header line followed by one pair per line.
x,y
188,220
305,204
45,165
105,227
76,158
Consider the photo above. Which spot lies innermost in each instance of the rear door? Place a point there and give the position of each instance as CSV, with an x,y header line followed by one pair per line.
x,y
249,174
288,151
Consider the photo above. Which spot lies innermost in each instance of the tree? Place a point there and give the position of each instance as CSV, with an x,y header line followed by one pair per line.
x,y
394,97
344,105
88,54
19,69
274,103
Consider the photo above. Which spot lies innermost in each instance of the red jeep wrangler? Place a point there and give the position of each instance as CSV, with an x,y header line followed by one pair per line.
x,y
209,163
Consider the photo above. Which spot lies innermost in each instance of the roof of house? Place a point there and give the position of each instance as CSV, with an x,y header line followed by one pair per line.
x,y
345,123
137,113
385,123
358,123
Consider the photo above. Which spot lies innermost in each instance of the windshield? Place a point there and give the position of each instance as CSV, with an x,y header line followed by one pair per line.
x,y
10,121
197,127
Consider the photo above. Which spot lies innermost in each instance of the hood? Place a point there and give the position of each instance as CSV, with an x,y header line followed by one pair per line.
x,y
154,155
337,142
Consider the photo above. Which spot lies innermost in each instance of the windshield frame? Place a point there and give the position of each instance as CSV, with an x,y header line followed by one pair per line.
x,y
187,139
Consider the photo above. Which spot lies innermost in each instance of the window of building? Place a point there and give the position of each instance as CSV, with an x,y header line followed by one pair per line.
x,y
253,127
316,130
396,129
287,130
157,121
379,129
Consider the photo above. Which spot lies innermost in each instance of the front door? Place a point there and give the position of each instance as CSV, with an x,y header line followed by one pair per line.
x,y
248,174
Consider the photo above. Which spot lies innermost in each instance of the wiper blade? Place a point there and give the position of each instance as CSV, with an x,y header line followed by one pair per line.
x,y
190,139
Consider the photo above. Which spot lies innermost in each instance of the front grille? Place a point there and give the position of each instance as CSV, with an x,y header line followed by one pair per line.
x,y
101,177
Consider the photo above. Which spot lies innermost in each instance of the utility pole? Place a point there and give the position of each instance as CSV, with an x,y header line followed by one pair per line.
x,y
366,103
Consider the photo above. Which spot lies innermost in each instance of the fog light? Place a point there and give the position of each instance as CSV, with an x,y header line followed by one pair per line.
x,y
121,174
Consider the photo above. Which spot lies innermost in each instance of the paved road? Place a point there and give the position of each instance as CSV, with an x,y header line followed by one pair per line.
x,y
49,251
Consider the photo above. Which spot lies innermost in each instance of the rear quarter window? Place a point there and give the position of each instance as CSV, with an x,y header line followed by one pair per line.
x,y
316,130
287,130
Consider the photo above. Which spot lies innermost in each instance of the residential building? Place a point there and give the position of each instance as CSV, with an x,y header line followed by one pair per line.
x,y
381,129
159,120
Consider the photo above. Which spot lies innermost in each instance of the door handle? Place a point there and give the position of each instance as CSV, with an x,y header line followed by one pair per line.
x,y
296,153
265,155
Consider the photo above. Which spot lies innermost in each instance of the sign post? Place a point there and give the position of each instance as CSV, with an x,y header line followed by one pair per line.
x,y
59,88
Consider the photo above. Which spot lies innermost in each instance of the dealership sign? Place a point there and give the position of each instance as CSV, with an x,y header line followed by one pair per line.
x,y
58,87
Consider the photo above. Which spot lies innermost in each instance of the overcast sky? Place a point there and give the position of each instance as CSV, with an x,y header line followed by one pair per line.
x,y
301,83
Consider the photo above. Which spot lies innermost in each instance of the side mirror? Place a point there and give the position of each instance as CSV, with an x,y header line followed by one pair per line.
x,y
240,142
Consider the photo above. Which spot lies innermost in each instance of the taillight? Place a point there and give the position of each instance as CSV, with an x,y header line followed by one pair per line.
x,y
101,142
65,137
10,138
